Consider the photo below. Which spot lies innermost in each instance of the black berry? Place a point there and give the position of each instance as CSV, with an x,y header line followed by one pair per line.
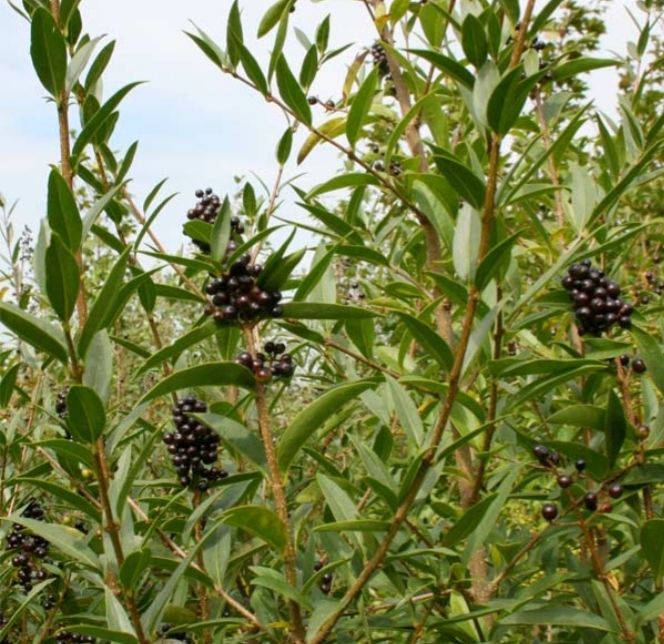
x,y
590,501
638,366
549,511
615,490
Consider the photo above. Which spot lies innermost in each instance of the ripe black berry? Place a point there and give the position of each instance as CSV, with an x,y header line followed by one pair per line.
x,y
541,452
549,511
638,366
564,481
624,360
590,501
580,465
615,490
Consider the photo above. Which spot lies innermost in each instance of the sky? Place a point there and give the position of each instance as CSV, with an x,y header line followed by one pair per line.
x,y
196,126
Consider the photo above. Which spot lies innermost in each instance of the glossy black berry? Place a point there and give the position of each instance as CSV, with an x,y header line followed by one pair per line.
x,y
564,481
590,501
615,490
638,366
580,465
549,511
541,452
624,360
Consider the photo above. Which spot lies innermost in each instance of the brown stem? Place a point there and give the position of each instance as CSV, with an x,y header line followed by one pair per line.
x,y
278,491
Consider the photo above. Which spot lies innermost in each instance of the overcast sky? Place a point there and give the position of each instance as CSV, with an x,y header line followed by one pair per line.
x,y
195,125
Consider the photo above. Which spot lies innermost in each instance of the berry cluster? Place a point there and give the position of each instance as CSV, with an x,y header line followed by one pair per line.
x,y
394,168
206,209
179,637
379,56
237,296
31,549
65,637
637,364
61,405
193,445
591,500
277,363
326,582
596,300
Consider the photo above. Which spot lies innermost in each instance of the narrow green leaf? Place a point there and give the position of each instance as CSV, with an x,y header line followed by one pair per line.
x,y
221,232
321,311
652,355
272,17
349,180
86,417
473,40
448,66
429,340
652,545
48,50
258,521
62,278
63,215
214,374
305,424
359,110
37,333
557,616
291,92
69,541
467,184
615,428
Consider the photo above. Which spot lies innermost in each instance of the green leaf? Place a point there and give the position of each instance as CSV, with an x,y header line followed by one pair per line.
x,y
63,215
221,232
253,70
213,374
470,519
48,50
342,506
78,62
307,421
17,611
37,333
356,525
331,129
174,350
309,67
466,243
73,499
260,522
94,125
466,183
275,276
86,417
652,545
557,616
234,35
473,40
237,437
350,180
103,310
496,262
360,107
406,411
508,98
98,361
133,567
652,354
8,383
62,278
69,449
276,582
615,427
285,146
321,311
581,65
272,17
579,416
448,66
291,92
429,340
69,541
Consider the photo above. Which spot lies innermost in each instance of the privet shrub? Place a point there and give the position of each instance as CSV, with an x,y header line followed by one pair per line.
x,y
443,424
